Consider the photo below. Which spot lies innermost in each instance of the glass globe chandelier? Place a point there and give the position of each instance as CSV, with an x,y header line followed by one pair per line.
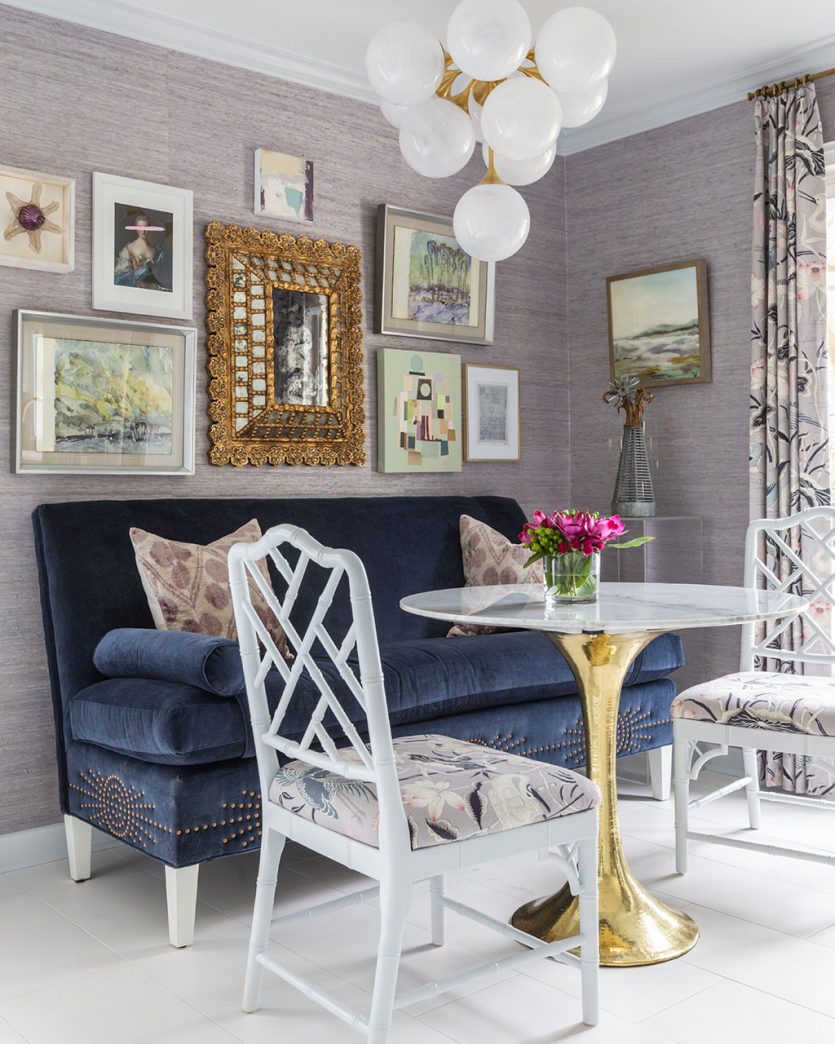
x,y
494,85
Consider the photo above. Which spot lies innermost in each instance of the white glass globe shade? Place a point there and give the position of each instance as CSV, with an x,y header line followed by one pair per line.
x,y
575,49
437,138
521,172
488,39
404,63
491,222
580,108
397,115
521,118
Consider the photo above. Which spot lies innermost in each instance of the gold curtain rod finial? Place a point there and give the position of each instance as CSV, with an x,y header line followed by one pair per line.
x,y
773,90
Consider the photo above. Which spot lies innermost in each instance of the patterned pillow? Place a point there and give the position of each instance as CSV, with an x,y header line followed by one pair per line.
x,y
490,558
187,585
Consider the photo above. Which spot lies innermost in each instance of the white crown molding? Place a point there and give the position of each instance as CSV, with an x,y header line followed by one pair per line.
x,y
177,34
166,30
694,103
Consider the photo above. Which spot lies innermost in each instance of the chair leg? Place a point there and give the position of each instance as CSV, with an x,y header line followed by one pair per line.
x,y
681,782
752,791
436,892
394,905
181,897
589,926
79,847
272,845
660,771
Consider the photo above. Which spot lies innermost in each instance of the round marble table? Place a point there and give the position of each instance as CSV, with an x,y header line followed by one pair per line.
x,y
599,641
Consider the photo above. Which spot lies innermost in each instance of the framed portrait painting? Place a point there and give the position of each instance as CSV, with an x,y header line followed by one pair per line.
x,y
493,428
37,220
142,247
659,328
418,411
101,396
427,286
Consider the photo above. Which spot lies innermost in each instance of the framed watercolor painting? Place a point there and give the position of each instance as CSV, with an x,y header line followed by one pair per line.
x,y
418,411
493,429
37,219
283,186
142,247
659,328
101,396
427,286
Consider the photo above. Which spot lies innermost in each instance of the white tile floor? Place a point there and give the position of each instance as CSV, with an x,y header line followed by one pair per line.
x,y
89,963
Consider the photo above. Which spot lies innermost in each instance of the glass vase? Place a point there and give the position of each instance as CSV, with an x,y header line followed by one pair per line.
x,y
571,578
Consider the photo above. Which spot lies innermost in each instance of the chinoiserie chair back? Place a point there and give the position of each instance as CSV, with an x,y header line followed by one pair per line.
x,y
794,555
364,683
778,706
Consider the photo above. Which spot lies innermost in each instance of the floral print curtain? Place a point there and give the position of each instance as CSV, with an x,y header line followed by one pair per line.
x,y
789,448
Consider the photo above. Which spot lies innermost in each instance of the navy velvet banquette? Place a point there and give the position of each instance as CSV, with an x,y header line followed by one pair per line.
x,y
168,768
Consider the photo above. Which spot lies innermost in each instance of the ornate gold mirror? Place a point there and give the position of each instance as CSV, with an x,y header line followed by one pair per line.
x,y
285,349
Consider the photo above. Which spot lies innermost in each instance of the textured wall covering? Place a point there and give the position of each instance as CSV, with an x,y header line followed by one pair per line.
x,y
74,100
675,193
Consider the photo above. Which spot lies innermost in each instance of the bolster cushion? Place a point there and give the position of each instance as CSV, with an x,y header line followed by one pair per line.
x,y
212,664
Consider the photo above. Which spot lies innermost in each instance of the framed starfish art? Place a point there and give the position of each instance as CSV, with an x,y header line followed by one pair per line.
x,y
37,220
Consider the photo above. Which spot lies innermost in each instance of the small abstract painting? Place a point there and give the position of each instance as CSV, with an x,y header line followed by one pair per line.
x,y
419,410
37,220
427,285
283,186
493,423
658,325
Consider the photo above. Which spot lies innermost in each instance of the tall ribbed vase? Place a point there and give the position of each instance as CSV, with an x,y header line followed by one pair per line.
x,y
634,496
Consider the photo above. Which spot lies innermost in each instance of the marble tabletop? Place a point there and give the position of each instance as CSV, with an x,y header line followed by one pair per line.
x,y
621,608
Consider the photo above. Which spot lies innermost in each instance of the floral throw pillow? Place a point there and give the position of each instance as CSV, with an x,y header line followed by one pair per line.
x,y
490,558
187,585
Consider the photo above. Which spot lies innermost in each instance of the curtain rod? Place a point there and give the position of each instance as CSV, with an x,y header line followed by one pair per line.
x,y
774,89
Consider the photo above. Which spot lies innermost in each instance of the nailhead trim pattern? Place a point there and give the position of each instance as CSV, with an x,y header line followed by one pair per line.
x,y
243,818
119,808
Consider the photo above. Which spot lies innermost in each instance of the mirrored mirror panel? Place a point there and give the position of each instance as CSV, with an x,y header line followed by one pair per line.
x,y
300,353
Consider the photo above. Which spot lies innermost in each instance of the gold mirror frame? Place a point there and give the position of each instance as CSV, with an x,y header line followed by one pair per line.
x,y
248,426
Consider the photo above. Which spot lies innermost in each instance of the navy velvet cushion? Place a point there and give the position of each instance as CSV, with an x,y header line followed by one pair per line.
x,y
209,663
425,679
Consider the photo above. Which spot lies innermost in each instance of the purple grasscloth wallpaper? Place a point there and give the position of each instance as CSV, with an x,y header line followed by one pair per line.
x,y
679,192
73,100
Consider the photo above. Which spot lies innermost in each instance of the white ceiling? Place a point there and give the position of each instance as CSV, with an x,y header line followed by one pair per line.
x,y
675,57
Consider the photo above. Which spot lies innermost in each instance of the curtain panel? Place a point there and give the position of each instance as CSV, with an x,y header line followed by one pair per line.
x,y
789,422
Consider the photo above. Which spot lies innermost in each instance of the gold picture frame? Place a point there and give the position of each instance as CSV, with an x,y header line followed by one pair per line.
x,y
659,325
271,297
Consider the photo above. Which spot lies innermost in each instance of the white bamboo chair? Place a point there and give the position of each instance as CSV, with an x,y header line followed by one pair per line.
x,y
762,710
372,769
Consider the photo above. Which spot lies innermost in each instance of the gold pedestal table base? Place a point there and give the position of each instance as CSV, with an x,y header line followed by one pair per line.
x,y
635,927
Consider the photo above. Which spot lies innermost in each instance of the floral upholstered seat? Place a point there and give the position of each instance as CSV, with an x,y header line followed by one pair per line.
x,y
452,790
761,699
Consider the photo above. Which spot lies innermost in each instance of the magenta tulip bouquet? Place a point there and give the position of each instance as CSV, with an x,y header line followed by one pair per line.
x,y
568,543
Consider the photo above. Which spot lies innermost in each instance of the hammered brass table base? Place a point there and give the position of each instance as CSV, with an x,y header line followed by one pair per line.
x,y
635,927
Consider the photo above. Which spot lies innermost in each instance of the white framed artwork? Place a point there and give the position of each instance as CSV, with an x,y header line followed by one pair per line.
x,y
492,427
283,186
142,247
37,220
104,396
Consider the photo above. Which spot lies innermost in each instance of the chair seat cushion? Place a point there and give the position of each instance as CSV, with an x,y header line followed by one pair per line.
x,y
451,791
763,700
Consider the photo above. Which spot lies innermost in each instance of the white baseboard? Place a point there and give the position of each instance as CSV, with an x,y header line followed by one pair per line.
x,y
42,845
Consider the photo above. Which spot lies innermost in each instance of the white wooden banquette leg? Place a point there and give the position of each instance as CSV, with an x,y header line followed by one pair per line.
x,y
681,783
79,847
181,897
660,771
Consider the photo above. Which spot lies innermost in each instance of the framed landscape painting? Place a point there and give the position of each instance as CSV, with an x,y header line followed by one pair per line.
x,y
427,286
659,329
418,411
101,396
493,429
142,247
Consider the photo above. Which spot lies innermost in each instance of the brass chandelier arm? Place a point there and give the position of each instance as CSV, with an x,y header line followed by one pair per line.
x,y
479,89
